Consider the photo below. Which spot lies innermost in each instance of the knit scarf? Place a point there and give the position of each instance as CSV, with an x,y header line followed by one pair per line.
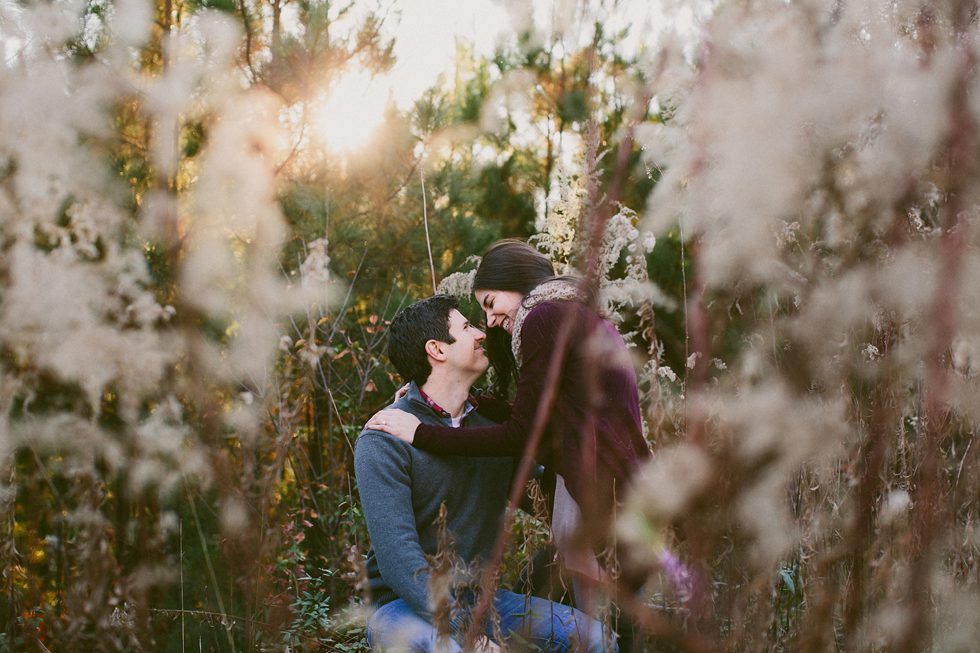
x,y
552,290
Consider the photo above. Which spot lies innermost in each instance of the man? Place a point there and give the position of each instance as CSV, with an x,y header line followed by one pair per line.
x,y
440,353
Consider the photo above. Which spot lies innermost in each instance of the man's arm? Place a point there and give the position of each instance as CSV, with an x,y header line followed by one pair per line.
x,y
383,465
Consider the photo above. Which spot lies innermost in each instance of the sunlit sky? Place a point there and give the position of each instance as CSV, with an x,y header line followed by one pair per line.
x,y
427,33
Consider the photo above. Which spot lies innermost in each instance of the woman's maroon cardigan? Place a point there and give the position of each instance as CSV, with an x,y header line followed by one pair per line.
x,y
593,436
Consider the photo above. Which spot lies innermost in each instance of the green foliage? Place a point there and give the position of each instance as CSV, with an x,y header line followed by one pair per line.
x,y
670,268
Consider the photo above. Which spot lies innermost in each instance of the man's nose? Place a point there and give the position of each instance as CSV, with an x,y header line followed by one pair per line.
x,y
480,335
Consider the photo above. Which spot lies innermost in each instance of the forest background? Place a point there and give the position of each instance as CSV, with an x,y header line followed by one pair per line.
x,y
200,250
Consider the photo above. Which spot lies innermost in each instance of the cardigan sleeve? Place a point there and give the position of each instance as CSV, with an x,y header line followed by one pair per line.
x,y
538,335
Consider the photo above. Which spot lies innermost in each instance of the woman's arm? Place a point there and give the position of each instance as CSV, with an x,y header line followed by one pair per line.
x,y
508,438
402,425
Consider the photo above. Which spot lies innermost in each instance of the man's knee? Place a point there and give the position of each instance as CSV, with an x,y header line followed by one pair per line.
x,y
395,628
550,626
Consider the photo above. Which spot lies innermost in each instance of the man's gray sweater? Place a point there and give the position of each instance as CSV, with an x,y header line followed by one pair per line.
x,y
401,490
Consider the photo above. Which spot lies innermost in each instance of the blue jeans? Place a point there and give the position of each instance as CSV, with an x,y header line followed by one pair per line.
x,y
527,620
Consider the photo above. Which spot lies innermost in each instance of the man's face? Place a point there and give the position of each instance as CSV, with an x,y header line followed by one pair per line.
x,y
466,353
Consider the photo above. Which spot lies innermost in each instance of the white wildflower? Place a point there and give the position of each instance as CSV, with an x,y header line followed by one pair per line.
x,y
315,268
234,516
649,241
131,21
169,522
787,233
658,141
763,512
557,231
253,346
966,361
894,505
671,480
457,284
870,352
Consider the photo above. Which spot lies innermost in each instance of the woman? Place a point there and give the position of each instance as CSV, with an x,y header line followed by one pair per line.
x,y
593,438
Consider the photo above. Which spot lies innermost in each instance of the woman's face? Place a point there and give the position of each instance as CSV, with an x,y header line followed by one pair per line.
x,y
500,306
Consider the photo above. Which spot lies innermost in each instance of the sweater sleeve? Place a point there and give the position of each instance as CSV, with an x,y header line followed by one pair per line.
x,y
538,336
383,468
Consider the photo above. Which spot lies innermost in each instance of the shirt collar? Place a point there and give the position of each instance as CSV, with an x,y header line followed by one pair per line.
x,y
468,407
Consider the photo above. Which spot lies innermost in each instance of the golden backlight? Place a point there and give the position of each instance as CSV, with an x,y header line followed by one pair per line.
x,y
352,110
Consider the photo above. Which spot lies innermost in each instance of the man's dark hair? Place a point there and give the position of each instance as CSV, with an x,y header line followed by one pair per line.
x,y
425,320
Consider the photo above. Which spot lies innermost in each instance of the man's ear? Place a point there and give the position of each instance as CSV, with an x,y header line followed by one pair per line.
x,y
433,349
